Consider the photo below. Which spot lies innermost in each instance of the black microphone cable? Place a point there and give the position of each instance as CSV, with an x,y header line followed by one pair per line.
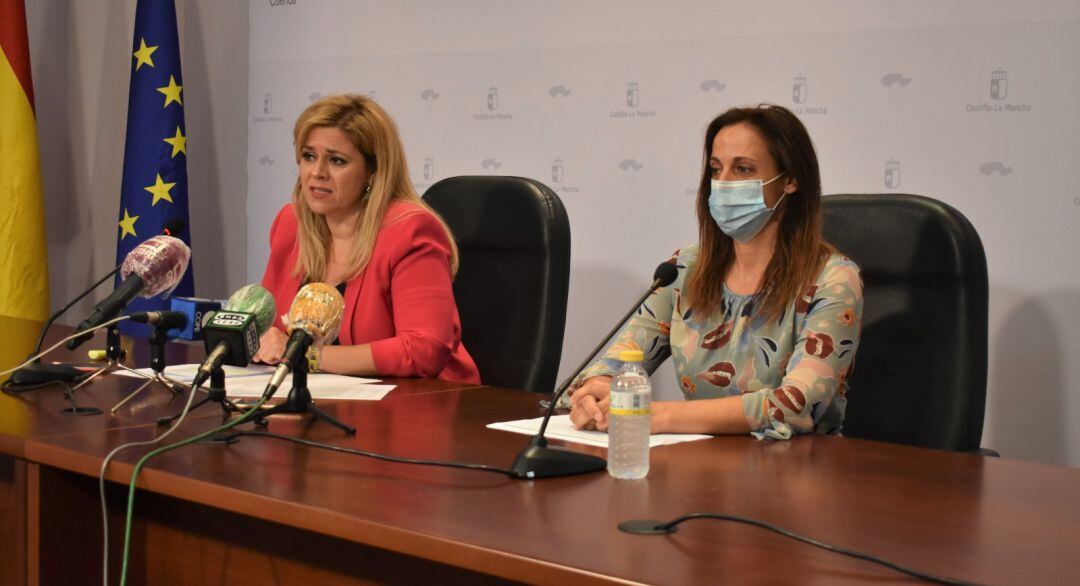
x,y
644,527
367,454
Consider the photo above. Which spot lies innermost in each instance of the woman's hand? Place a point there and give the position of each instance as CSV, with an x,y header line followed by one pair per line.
x,y
589,404
271,346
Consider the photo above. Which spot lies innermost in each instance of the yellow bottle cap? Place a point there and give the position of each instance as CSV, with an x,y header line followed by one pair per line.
x,y
631,356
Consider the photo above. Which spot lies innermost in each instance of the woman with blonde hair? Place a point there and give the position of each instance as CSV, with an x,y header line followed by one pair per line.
x,y
763,319
356,222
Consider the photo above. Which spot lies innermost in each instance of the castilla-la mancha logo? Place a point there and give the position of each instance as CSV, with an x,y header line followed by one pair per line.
x,y
999,84
799,89
632,101
267,110
633,95
892,174
800,93
558,176
559,91
492,104
429,175
999,91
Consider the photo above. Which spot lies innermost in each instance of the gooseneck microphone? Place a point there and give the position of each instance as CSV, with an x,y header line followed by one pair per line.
x,y
232,335
153,267
40,372
538,460
315,316
172,227
161,319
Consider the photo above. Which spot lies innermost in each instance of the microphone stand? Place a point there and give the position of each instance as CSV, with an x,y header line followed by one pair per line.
x,y
62,372
538,459
64,309
299,401
114,355
214,394
69,393
158,338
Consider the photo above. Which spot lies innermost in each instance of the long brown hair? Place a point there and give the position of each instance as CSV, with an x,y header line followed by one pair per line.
x,y
800,251
372,132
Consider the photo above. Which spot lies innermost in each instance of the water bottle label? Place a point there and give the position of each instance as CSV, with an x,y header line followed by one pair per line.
x,y
629,404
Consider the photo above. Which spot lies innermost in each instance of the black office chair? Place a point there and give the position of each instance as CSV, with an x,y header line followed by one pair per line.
x,y
920,371
511,289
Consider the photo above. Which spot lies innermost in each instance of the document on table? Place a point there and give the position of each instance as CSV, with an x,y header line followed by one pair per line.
x,y
186,372
560,428
251,382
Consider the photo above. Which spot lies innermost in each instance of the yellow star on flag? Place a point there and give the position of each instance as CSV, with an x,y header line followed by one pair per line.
x,y
172,92
160,189
178,142
143,55
127,225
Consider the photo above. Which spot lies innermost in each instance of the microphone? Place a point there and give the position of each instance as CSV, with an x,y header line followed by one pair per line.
x,y
165,319
153,267
196,309
40,372
315,316
538,460
232,335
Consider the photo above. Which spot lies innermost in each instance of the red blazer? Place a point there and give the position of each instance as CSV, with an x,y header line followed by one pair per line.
x,y
402,303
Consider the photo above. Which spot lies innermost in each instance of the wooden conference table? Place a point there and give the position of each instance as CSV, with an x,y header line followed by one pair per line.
x,y
265,511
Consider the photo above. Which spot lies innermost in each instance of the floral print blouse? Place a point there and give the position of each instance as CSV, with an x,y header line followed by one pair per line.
x,y
791,373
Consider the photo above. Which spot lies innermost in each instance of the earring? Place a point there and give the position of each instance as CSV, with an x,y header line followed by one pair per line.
x,y
367,190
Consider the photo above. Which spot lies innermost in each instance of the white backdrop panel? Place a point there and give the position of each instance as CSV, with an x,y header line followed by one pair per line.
x,y
968,102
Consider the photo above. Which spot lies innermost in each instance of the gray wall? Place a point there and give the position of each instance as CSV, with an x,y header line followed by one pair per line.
x,y
81,58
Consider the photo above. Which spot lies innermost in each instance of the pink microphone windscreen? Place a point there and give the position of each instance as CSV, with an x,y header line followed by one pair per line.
x,y
160,261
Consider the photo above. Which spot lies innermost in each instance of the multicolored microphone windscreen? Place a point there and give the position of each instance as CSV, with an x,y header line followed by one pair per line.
x,y
317,309
160,262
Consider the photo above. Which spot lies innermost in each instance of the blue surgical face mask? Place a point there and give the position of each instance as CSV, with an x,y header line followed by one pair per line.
x,y
739,207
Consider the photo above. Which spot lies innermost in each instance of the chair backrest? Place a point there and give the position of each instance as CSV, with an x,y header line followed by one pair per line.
x,y
511,288
920,371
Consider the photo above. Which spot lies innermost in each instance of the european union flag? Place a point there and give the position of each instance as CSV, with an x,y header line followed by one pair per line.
x,y
155,187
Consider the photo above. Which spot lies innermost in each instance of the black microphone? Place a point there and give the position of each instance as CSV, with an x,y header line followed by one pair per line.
x,y
162,319
153,267
538,460
232,335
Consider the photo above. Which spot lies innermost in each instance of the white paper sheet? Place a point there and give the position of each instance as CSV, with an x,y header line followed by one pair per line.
x,y
186,372
560,428
251,382
321,386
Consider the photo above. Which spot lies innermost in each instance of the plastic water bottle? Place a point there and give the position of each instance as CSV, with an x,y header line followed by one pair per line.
x,y
628,431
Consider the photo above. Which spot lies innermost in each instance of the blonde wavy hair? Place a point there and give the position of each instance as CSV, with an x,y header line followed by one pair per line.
x,y
373,133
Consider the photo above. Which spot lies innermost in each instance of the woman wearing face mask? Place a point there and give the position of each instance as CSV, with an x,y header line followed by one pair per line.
x,y
356,223
763,319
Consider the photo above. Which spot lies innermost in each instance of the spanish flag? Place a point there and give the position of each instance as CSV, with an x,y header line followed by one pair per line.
x,y
24,274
